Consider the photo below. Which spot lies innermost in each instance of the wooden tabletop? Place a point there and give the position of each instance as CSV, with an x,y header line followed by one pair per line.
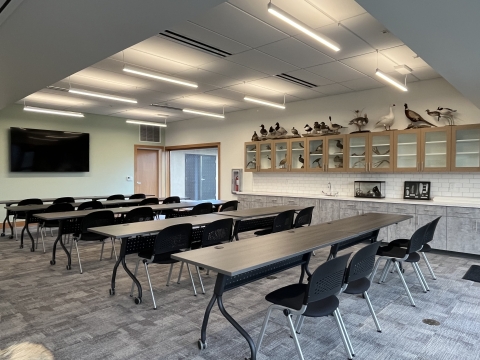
x,y
93,197
264,211
145,227
241,256
15,208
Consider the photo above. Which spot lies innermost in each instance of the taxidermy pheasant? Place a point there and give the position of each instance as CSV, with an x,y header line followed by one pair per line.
x,y
415,118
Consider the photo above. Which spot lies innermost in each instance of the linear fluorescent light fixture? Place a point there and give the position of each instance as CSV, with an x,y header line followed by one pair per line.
x,y
154,75
264,102
391,81
103,96
51,111
138,122
204,113
297,24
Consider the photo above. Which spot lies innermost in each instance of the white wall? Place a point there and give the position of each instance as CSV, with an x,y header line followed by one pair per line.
x,y
238,128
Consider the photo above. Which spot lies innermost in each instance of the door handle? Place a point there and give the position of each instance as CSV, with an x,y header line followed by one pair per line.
x,y
139,183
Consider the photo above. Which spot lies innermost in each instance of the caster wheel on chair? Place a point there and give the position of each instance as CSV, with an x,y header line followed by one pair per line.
x,y
52,262
202,345
69,267
2,235
138,301
32,249
112,291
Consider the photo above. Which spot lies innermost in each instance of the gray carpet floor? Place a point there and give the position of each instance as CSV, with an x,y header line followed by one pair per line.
x,y
74,316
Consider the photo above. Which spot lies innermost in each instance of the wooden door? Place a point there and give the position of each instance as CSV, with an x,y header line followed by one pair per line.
x,y
465,148
436,148
381,152
407,150
357,152
147,171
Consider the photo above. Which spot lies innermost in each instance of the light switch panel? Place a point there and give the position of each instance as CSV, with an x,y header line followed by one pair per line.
x,y
129,178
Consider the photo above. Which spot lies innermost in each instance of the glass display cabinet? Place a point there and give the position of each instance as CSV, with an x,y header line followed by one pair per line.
x,y
436,144
265,156
281,159
258,156
407,151
381,152
357,152
335,146
315,154
465,148
297,155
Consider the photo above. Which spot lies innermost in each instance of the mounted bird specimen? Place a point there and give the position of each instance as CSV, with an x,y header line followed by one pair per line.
x,y
294,131
263,131
308,129
255,136
253,162
359,122
318,162
319,149
280,130
271,131
316,126
301,160
416,119
339,161
335,128
339,145
448,114
282,163
434,114
387,120
324,129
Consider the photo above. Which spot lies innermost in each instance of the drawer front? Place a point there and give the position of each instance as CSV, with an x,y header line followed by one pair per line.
x,y
462,212
258,199
291,201
431,210
273,200
244,198
463,235
401,209
352,205
375,207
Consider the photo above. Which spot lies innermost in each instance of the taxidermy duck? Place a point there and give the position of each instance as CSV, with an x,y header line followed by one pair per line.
x,y
415,118
434,114
280,130
301,160
446,111
359,121
294,131
308,129
255,136
272,131
282,162
253,163
263,131
316,126
387,120
335,127
339,144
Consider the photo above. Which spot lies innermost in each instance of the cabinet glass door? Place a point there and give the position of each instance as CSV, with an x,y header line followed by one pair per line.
x,y
335,146
297,155
407,151
466,148
436,146
315,154
281,155
265,156
251,156
381,152
356,152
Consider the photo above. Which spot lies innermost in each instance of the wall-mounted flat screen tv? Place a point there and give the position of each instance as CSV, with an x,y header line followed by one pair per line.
x,y
35,150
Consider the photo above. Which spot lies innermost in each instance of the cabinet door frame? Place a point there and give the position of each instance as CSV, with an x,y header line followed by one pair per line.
x,y
259,156
396,169
370,167
274,155
257,152
327,139
448,138
346,151
291,154
315,169
453,149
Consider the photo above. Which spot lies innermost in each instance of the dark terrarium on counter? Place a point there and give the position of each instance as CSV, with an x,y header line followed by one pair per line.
x,y
369,189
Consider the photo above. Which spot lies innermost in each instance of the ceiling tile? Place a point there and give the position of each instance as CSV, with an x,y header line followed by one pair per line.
x,y
209,37
304,93
233,95
333,89
339,9
403,55
142,59
296,53
336,72
208,100
276,84
301,10
207,77
310,77
425,73
262,93
227,20
149,113
367,64
362,84
46,97
257,60
233,70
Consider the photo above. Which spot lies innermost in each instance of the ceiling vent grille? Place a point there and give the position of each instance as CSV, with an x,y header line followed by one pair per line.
x,y
4,5
166,107
195,44
149,133
297,81
56,88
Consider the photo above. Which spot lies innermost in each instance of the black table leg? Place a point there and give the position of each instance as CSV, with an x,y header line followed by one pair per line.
x,y
236,229
59,239
27,222
114,274
202,343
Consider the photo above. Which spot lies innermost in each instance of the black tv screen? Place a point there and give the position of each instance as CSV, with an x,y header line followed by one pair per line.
x,y
35,150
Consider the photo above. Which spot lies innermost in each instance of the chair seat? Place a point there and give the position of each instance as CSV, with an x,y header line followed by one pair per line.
x,y
263,232
90,237
358,286
404,243
397,252
159,258
292,296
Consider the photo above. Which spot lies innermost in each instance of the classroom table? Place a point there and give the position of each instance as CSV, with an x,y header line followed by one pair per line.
x,y
242,262
134,239
69,221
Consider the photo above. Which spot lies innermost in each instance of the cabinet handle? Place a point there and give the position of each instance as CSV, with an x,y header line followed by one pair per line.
x,y
351,206
423,166
418,166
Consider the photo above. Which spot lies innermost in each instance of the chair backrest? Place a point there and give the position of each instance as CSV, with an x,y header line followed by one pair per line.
x,y
217,232
431,230
137,196
30,202
304,217
149,201
326,280
90,205
283,221
173,238
60,207
171,200
116,197
139,214
417,240
203,208
97,218
362,263
229,206
66,199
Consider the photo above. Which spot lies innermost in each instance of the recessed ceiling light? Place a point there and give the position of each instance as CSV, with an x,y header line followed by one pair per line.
x,y
52,111
103,96
154,75
264,102
204,113
390,80
149,123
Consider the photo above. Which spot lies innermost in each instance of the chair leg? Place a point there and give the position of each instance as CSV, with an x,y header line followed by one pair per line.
x,y
342,335
38,228
345,332
78,255
150,284
200,279
15,227
264,327
169,274
404,283
420,276
51,232
428,266
191,279
294,336
370,307
208,272
134,274
101,253
114,251
43,242
180,273
383,277
375,268
299,323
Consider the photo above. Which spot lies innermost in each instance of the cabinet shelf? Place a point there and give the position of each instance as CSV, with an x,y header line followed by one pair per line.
x,y
357,146
298,149
357,156
314,154
265,150
436,142
468,153
409,143
407,155
380,144
435,154
375,155
468,140
252,151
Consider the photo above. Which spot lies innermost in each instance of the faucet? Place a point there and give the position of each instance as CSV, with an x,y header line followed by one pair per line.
x,y
330,191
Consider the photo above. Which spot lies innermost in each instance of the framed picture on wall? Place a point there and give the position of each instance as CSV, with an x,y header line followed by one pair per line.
x,y
416,190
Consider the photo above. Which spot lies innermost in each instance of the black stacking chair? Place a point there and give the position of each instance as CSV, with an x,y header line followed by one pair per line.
x,y
396,255
318,298
229,206
94,219
115,197
66,199
169,200
139,214
149,201
60,207
357,276
90,205
169,241
22,215
201,209
304,217
282,222
137,196
425,248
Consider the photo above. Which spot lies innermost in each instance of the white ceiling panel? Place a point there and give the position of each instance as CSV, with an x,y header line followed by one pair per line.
x,y
233,70
208,100
425,73
54,98
310,77
207,77
233,95
161,47
209,37
276,84
369,29
336,72
147,61
405,56
227,20
262,93
149,113
305,94
339,9
367,63
262,62
296,53
333,89
301,10
365,83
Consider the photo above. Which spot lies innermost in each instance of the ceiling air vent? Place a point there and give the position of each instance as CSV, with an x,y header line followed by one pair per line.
x,y
56,88
149,133
4,5
166,107
297,81
195,44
